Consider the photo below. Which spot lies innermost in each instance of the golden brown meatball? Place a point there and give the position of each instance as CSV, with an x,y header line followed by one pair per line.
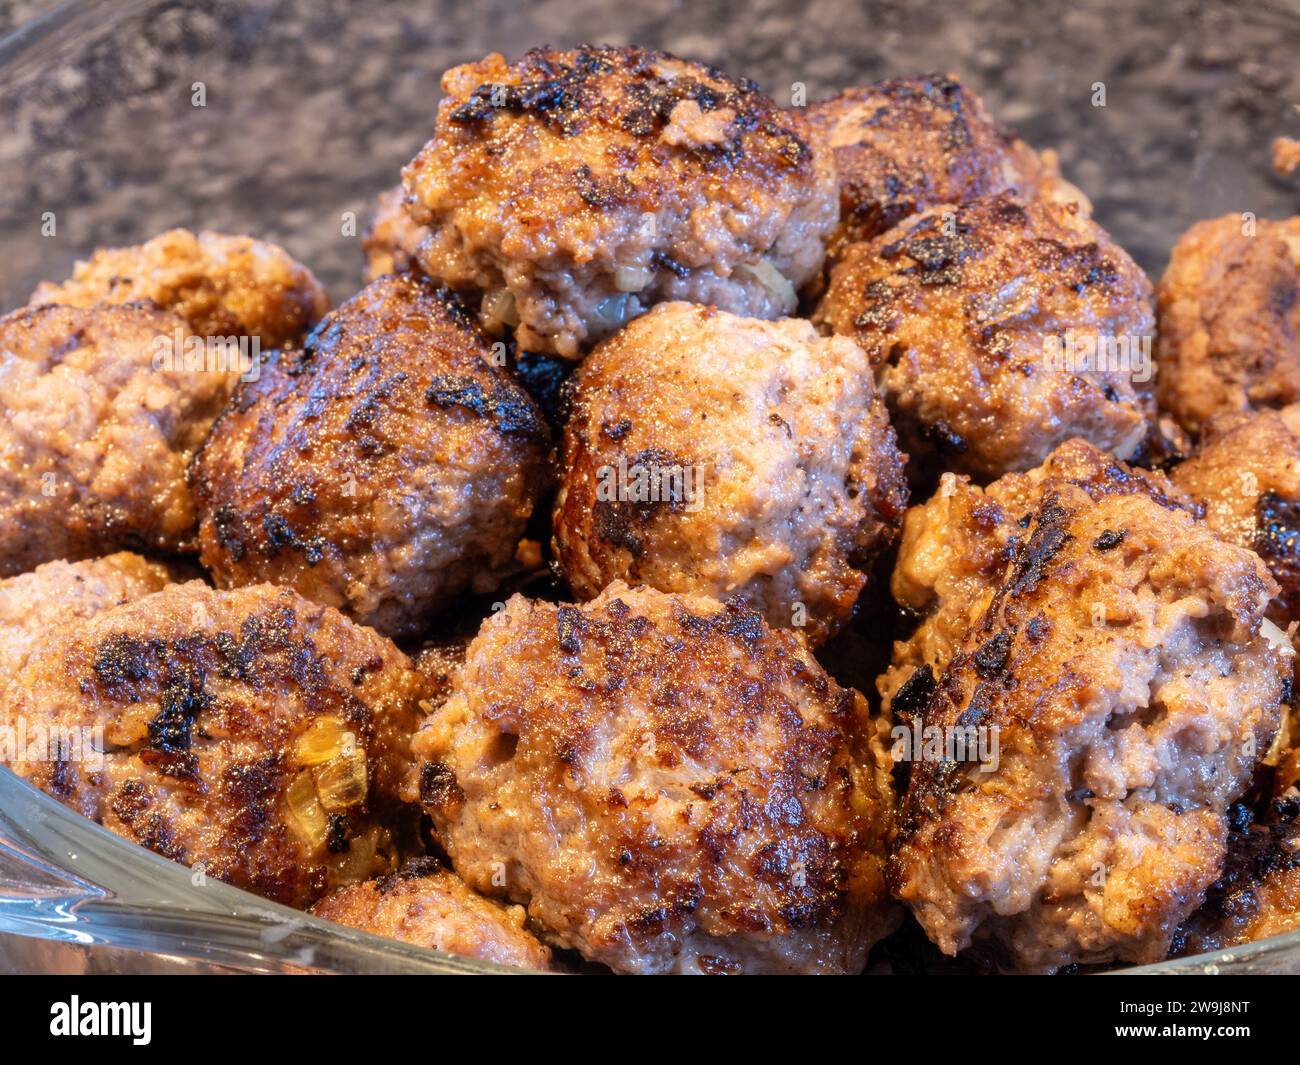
x,y
249,732
1247,474
1127,685
1258,894
392,239
666,783
424,904
571,190
1229,306
907,144
729,457
221,285
57,593
95,440
999,330
384,470
956,546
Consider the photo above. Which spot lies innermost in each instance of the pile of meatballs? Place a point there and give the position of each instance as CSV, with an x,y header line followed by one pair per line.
x,y
569,597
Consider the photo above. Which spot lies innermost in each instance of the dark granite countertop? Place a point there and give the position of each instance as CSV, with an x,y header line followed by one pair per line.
x,y
313,107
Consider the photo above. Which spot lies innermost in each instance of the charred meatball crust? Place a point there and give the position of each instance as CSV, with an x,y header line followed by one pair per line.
x,y
1229,306
383,470
248,732
571,190
95,441
956,547
907,144
1124,660
788,484
1246,473
666,783
58,593
391,241
221,285
955,309
1258,894
431,907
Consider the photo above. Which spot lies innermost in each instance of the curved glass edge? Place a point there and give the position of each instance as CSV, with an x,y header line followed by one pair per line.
x,y
64,878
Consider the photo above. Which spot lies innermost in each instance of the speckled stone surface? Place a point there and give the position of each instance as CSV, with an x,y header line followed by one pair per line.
x,y
312,107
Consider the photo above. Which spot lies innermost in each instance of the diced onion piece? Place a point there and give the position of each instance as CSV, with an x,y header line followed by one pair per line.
x,y
499,308
614,309
304,814
363,858
342,783
776,283
131,726
1276,637
631,278
322,741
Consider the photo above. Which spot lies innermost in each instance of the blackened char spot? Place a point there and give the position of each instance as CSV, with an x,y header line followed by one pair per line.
x,y
991,658
438,785
509,408
1109,539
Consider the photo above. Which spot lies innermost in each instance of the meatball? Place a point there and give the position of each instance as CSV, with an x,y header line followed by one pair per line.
x,y
221,285
385,469
1000,329
729,457
908,144
955,549
1246,473
95,441
1258,894
571,190
1125,682
666,783
392,239
431,907
250,733
1229,306
60,593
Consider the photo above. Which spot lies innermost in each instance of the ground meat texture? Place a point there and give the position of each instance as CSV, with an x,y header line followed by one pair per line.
x,y
1229,306
1123,666
431,907
908,144
571,190
249,732
665,783
392,239
221,285
956,547
94,441
729,457
384,470
1258,893
59,593
962,309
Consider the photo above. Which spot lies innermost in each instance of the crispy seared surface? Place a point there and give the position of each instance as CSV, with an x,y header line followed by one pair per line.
x,y
1246,473
666,783
1121,659
385,469
59,593
221,285
907,144
204,698
594,183
1229,306
1258,893
431,907
796,482
954,306
391,240
94,441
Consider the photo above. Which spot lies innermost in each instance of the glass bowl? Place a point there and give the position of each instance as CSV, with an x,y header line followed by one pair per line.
x,y
285,119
